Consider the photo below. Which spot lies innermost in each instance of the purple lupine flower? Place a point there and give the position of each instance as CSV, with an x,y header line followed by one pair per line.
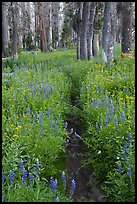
x,y
116,122
28,110
42,128
12,176
37,168
101,88
123,116
129,137
67,141
71,131
119,168
123,154
126,145
77,135
101,122
53,183
129,171
2,176
24,175
125,89
107,119
21,165
64,178
34,91
30,176
48,113
97,127
20,116
73,186
57,200
111,108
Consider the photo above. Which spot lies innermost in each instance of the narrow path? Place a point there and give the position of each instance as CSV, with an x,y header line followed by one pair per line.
x,y
86,190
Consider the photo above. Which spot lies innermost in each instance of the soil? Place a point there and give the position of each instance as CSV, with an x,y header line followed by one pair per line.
x,y
86,188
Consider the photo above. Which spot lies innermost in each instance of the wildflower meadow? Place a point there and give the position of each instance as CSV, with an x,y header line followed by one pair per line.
x,y
36,97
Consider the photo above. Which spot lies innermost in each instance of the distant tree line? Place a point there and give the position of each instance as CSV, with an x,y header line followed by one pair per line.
x,y
83,25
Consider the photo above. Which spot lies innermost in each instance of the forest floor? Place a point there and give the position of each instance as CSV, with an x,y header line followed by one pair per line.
x,y
87,189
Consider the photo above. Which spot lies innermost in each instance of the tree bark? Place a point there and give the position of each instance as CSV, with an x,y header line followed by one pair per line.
x,y
109,29
127,12
90,29
95,44
15,30
4,29
84,29
42,28
79,28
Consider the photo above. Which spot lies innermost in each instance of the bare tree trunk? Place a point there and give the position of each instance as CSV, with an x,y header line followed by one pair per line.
x,y
15,30
79,27
109,29
42,28
90,29
4,29
84,29
95,44
47,13
127,12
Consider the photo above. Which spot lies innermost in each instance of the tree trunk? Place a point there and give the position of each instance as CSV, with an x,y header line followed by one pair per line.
x,y
4,29
95,44
84,29
42,28
47,12
109,29
127,27
15,29
79,27
90,29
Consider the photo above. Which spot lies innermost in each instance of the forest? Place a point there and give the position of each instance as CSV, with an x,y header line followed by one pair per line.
x,y
68,101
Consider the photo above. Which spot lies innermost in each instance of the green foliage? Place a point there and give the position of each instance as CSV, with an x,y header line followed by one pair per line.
x,y
35,103
107,97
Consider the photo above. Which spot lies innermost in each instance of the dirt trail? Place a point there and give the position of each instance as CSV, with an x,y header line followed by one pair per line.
x,y
86,190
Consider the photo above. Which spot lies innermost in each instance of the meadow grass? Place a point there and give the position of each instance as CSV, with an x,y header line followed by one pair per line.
x,y
35,101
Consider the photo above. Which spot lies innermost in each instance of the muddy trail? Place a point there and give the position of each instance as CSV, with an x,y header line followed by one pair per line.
x,y
86,188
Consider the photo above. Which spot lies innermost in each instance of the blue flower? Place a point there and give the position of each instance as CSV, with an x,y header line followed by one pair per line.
x,y
2,176
129,171
12,176
53,183
57,200
37,168
30,176
21,165
97,128
111,108
42,128
67,141
64,178
116,122
129,136
126,145
119,168
28,110
24,175
107,119
123,154
73,186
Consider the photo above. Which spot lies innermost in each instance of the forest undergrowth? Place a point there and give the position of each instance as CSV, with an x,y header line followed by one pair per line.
x,y
68,128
